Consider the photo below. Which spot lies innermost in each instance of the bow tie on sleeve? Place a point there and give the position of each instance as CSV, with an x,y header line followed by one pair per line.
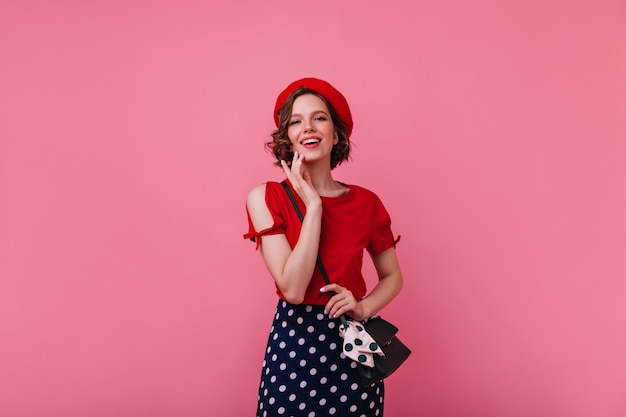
x,y
358,345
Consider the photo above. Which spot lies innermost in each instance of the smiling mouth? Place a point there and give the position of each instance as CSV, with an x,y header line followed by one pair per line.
x,y
310,141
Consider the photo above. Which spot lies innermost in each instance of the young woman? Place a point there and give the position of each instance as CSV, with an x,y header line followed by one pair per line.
x,y
305,372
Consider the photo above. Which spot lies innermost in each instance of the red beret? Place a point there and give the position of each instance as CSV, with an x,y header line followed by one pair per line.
x,y
330,93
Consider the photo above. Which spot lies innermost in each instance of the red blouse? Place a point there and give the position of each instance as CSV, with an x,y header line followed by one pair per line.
x,y
350,223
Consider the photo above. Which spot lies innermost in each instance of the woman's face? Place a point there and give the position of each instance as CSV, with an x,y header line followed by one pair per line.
x,y
311,128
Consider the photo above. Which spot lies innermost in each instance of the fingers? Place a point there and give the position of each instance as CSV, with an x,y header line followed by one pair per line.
x,y
341,302
293,172
297,168
288,169
300,179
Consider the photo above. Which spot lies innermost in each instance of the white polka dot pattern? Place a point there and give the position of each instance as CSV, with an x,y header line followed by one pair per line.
x,y
305,372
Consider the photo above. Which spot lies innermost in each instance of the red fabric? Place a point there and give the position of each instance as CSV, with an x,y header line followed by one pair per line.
x,y
255,236
350,223
330,93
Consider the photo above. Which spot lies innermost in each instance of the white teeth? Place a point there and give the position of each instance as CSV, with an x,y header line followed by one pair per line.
x,y
310,141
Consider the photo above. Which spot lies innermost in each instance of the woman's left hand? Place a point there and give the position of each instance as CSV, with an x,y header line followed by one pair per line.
x,y
343,302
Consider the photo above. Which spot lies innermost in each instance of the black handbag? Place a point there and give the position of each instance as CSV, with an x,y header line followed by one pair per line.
x,y
396,352
383,332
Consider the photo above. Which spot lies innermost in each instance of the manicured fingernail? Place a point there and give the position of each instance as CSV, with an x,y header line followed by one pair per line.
x,y
325,312
322,289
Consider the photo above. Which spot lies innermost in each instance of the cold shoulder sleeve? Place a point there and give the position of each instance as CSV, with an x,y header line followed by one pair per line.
x,y
381,237
271,199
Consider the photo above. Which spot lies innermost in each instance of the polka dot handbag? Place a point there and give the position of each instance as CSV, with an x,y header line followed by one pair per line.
x,y
396,352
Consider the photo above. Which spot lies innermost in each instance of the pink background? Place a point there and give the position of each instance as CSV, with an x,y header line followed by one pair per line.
x,y
131,132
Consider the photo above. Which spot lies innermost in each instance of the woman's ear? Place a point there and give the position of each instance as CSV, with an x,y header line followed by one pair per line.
x,y
335,138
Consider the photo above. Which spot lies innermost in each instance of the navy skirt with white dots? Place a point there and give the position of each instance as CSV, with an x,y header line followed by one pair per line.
x,y
305,372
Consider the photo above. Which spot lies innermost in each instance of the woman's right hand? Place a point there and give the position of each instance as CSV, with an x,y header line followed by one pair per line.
x,y
300,179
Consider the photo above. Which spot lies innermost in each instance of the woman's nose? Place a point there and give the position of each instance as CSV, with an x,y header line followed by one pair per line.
x,y
308,126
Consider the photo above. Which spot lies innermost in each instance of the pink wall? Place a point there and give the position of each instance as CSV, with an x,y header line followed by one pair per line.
x,y
131,132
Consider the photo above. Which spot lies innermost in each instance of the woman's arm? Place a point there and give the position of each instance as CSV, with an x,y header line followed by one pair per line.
x,y
389,285
292,269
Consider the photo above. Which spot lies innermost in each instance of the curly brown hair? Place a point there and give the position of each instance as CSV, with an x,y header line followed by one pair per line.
x,y
280,145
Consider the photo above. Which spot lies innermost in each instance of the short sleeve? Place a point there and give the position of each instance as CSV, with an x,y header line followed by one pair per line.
x,y
279,223
381,237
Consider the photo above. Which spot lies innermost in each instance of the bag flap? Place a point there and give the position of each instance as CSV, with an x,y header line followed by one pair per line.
x,y
381,330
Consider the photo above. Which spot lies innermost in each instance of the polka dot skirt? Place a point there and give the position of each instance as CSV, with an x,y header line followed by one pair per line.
x,y
305,372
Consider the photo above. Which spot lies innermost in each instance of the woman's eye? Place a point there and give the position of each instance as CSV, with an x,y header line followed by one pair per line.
x,y
322,118
294,122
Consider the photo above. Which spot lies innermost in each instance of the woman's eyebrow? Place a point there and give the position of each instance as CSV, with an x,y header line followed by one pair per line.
x,y
313,112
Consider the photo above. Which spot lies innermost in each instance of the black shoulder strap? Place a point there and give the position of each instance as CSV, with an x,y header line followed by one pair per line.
x,y
293,200
319,259
295,205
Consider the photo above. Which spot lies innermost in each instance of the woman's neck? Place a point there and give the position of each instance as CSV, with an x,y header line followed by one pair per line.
x,y
323,181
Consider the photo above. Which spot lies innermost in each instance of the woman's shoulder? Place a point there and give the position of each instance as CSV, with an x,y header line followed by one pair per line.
x,y
258,191
260,188
258,194
256,199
